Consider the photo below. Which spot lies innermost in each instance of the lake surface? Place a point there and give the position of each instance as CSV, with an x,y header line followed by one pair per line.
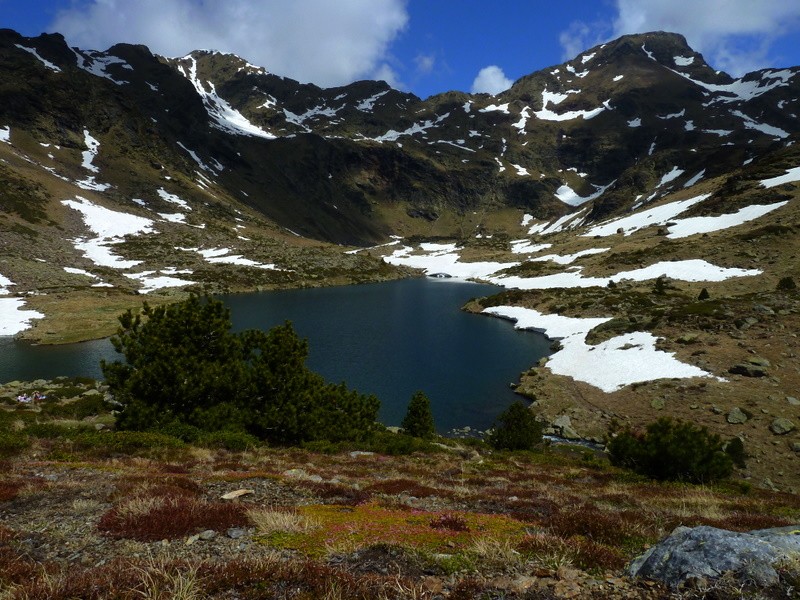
x,y
388,339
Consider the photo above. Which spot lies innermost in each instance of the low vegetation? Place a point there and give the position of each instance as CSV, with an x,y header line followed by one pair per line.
x,y
98,513
675,451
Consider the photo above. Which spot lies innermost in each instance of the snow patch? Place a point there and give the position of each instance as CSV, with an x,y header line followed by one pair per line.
x,y
368,104
657,215
610,365
151,281
672,175
5,134
444,258
694,225
685,270
762,127
13,319
503,108
223,115
790,176
172,198
46,63
555,98
97,63
110,227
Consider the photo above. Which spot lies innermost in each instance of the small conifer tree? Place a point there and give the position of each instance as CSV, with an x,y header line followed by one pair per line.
x,y
704,295
419,419
516,428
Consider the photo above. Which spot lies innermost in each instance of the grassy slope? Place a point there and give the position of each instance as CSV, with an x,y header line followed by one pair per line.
x,y
103,514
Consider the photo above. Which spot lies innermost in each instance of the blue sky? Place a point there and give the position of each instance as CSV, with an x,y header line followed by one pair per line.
x,y
421,46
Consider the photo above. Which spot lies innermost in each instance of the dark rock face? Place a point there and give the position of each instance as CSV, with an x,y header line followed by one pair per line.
x,y
707,552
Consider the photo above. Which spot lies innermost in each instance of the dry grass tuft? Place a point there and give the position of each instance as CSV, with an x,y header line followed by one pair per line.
x,y
268,520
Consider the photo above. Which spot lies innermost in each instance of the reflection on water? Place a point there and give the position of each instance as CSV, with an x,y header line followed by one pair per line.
x,y
388,339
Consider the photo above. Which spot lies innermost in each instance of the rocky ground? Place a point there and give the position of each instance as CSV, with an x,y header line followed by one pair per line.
x,y
89,512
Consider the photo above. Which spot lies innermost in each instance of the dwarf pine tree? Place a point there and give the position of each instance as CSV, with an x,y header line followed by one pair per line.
x,y
516,428
419,419
183,366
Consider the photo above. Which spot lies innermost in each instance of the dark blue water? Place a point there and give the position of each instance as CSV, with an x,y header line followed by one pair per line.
x,y
388,339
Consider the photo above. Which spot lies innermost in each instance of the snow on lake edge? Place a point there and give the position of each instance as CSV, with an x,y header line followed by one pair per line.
x,y
13,319
610,365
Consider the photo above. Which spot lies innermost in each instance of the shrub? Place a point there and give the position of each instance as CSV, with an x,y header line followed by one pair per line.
x,y
85,406
704,295
12,443
235,441
450,522
183,364
419,419
670,450
786,284
156,518
516,429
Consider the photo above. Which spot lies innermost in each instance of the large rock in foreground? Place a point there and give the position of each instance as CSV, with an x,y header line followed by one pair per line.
x,y
707,552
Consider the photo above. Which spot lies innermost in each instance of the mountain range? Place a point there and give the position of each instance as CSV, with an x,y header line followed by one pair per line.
x,y
648,176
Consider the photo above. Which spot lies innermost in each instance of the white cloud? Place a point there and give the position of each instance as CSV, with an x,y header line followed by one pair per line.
x,y
733,35
579,36
491,80
425,63
389,75
324,42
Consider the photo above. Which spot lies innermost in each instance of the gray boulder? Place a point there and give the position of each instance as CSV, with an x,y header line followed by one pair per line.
x,y
781,426
707,552
736,416
563,427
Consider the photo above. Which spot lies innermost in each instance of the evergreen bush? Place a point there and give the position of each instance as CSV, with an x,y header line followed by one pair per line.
x,y
516,428
419,419
182,364
674,451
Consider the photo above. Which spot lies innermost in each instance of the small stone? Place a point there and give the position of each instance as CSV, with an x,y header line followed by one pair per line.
x,y
236,494
99,426
795,446
759,361
236,532
91,392
208,534
781,426
736,416
716,409
658,403
357,453
793,401
694,406
192,539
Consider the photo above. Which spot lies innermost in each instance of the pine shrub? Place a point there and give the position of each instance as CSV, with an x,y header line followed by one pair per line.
x,y
674,451
516,429
184,367
419,419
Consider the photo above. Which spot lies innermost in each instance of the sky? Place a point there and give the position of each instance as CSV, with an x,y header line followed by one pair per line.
x,y
420,46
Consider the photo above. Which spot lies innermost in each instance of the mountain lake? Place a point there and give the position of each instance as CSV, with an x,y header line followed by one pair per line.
x,y
388,339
